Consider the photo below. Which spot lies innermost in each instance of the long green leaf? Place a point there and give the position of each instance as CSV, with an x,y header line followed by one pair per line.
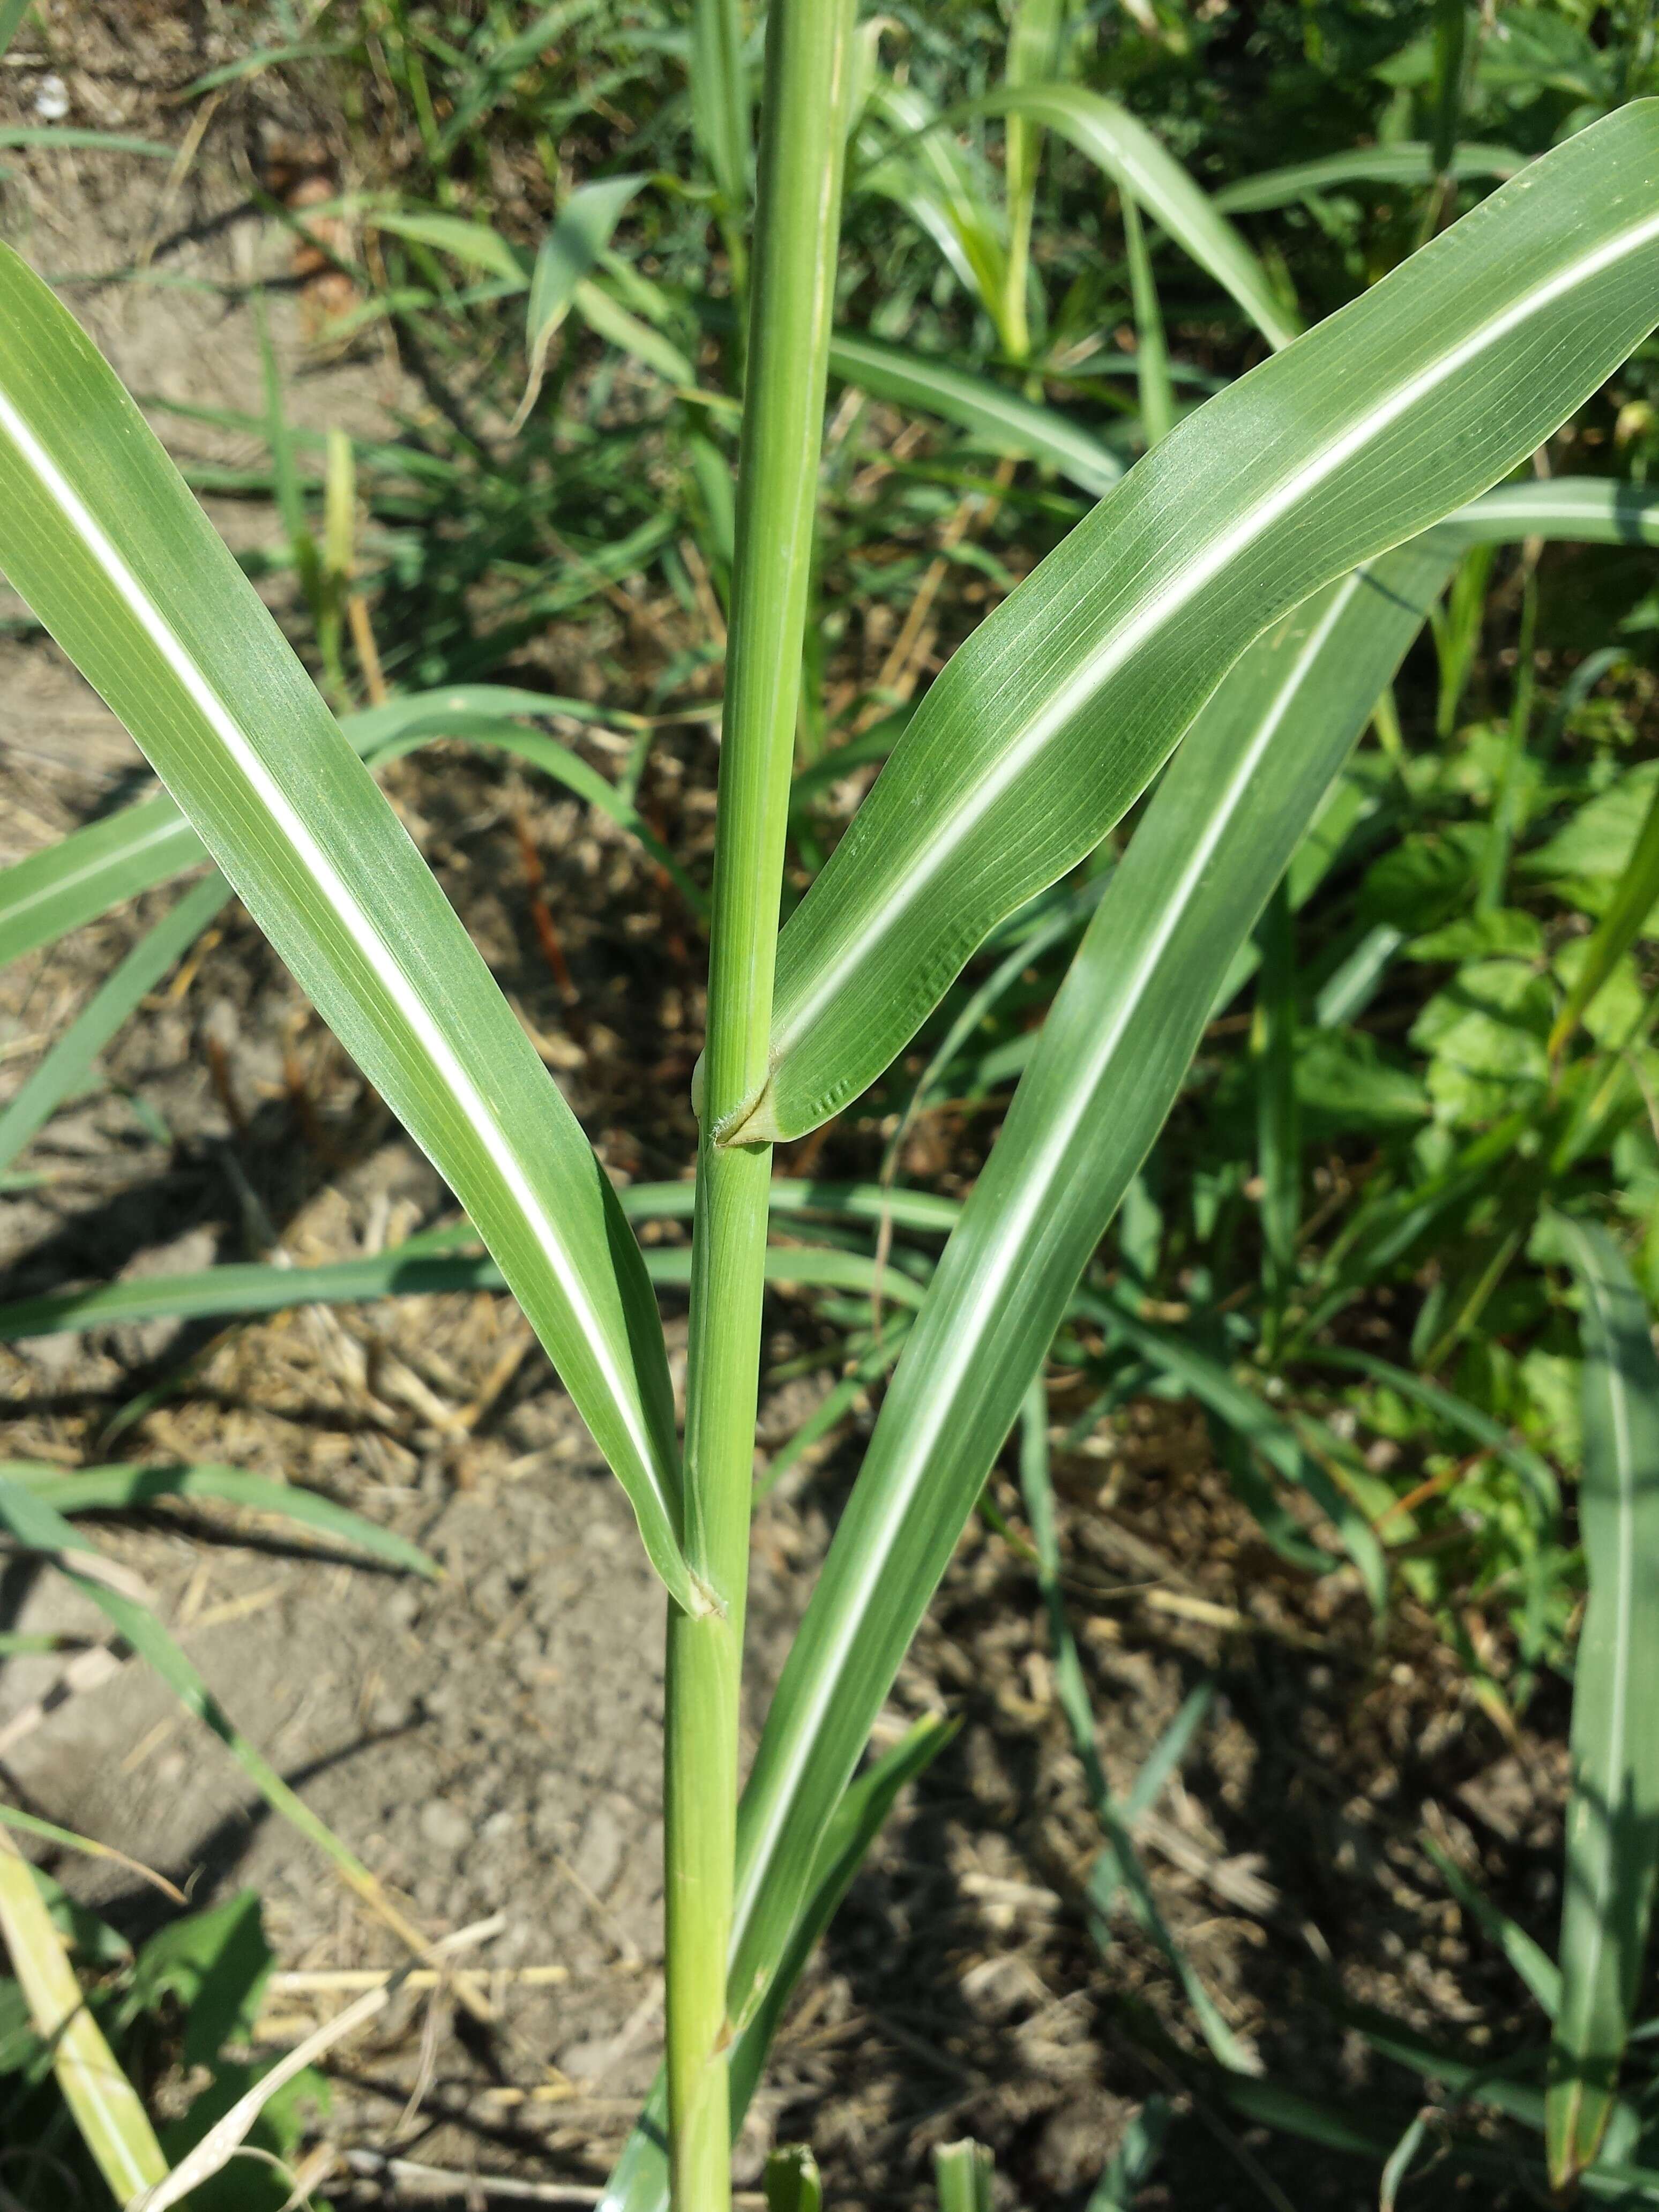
x,y
474,243
36,1524
1598,510
928,175
1151,349
121,1489
12,13
84,874
66,1066
94,869
1612,1815
1139,167
719,98
1407,161
91,142
1034,58
98,533
1007,423
1110,1062
1052,717
252,1288
1530,1961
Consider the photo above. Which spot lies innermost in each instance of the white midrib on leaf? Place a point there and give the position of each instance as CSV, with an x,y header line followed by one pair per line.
x,y
1076,691
960,1356
336,893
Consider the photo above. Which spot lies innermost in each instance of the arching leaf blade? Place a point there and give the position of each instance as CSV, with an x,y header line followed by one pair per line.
x,y
1056,713
1140,166
124,1489
65,1068
1613,1813
83,875
101,535
48,893
1409,161
1008,424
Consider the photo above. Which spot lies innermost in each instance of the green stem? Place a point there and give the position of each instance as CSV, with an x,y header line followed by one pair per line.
x,y
808,52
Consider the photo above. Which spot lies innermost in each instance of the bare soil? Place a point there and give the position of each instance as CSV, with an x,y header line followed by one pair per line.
x,y
489,1744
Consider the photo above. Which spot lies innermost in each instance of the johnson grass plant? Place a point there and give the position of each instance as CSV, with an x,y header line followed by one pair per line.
x,y
1208,644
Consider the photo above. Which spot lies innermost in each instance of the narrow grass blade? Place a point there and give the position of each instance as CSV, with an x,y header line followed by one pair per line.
x,y
1627,917
12,13
94,869
1533,1469
121,1489
1118,1868
515,54
1612,1814
1535,1968
65,1069
1140,168
101,535
1151,352
89,142
255,1289
580,235
1262,1430
719,98
38,1526
1109,1061
1134,2161
66,1839
106,2107
54,890
1061,706
1034,58
564,767
613,322
91,869
928,174
1003,421
1400,2162
1407,161
1590,510
1279,1139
